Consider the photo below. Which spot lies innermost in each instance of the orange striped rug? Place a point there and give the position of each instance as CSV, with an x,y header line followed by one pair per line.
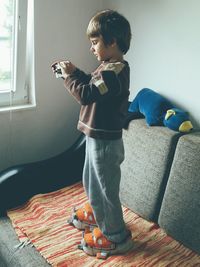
x,y
43,222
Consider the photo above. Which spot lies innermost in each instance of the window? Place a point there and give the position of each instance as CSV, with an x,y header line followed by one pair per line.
x,y
16,61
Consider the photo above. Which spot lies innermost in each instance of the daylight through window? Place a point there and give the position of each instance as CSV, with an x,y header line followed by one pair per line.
x,y
16,54
7,44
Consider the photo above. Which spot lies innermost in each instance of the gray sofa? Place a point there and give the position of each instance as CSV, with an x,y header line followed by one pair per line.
x,y
161,179
160,182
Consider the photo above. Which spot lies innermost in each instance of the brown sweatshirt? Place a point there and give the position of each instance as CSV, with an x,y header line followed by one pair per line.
x,y
103,96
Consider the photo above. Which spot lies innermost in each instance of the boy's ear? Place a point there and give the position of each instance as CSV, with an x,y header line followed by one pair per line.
x,y
114,42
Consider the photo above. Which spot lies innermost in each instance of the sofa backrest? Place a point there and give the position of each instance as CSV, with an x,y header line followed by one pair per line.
x,y
149,153
180,210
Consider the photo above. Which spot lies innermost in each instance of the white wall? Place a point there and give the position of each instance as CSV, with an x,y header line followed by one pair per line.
x,y
164,56
165,50
50,128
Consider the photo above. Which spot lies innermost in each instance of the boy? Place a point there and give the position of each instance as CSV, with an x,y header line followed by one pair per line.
x,y
103,96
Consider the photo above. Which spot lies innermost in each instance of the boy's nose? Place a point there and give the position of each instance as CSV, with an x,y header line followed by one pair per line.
x,y
92,49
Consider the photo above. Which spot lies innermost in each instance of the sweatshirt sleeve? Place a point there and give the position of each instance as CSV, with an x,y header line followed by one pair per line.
x,y
81,87
90,89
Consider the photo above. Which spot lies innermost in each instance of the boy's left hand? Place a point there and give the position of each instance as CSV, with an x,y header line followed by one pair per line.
x,y
67,67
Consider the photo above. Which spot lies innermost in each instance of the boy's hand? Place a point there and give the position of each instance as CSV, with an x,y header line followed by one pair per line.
x,y
66,68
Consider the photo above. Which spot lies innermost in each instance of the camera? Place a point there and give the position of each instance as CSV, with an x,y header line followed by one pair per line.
x,y
57,70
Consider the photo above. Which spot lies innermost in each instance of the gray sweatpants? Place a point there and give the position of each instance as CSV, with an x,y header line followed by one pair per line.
x,y
101,180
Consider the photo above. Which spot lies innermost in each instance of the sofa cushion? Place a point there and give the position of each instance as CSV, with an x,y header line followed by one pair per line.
x,y
13,256
180,210
148,156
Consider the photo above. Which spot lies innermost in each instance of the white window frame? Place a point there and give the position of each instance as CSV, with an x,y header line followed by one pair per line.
x,y
22,94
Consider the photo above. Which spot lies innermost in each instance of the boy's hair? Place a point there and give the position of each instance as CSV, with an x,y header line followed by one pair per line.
x,y
112,26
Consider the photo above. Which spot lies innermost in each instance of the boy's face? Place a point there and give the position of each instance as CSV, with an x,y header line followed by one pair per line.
x,y
100,50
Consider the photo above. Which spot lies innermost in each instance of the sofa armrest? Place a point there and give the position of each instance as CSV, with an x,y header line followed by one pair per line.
x,y
20,182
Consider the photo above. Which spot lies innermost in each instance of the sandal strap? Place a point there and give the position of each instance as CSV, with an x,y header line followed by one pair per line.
x,y
86,214
88,208
97,233
100,240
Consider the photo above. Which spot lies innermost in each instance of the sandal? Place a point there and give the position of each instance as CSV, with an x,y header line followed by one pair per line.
x,y
83,218
96,244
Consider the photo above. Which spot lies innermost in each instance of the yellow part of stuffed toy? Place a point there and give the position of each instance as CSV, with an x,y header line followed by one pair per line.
x,y
169,113
185,127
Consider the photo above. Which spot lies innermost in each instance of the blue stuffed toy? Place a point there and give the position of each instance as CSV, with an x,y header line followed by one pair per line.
x,y
157,110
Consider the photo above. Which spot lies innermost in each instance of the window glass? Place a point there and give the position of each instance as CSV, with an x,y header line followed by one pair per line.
x,y
7,44
17,82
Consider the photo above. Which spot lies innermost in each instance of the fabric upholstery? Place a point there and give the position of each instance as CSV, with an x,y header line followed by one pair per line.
x,y
146,171
148,156
13,256
180,210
